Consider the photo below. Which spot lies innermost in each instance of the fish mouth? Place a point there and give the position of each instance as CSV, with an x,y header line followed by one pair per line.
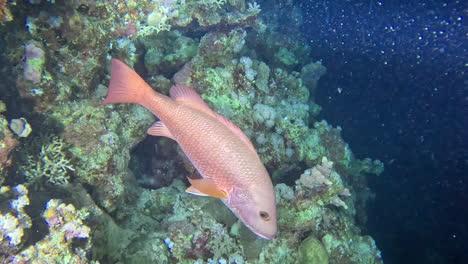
x,y
264,236
243,220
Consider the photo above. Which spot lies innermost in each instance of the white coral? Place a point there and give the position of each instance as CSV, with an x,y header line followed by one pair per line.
x,y
52,163
264,114
254,8
13,223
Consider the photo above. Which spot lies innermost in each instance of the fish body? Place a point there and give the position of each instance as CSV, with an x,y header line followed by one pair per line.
x,y
223,155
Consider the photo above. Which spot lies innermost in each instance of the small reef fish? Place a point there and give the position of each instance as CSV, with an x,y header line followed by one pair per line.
x,y
223,155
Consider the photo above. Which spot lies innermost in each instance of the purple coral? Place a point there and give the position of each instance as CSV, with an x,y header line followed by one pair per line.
x,y
73,230
33,63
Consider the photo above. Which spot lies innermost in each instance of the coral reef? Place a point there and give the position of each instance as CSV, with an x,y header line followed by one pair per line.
x,y
311,250
14,220
100,144
34,62
51,164
171,50
65,226
5,13
7,144
112,196
310,74
323,181
318,209
20,127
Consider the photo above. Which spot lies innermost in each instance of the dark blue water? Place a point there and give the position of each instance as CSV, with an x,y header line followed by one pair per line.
x,y
397,83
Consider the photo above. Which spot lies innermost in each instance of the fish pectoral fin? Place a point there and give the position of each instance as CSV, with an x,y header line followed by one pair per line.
x,y
205,187
159,129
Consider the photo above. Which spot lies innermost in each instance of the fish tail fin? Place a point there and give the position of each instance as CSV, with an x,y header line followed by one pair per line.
x,y
126,86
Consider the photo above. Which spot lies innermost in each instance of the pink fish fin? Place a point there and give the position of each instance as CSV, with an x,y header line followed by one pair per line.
x,y
126,86
193,190
207,187
187,95
236,130
159,129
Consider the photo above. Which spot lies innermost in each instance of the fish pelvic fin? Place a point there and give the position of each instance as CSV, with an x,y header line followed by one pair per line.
x,y
126,86
205,187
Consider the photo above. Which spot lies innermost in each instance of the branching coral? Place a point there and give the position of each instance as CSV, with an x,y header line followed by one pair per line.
x,y
52,163
157,21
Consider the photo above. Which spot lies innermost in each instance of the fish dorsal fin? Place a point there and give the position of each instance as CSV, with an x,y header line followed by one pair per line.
x,y
188,96
236,130
206,187
159,129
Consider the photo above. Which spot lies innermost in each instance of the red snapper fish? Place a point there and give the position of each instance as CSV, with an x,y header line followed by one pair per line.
x,y
223,155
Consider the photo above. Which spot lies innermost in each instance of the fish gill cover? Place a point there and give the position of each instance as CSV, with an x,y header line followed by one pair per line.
x,y
89,183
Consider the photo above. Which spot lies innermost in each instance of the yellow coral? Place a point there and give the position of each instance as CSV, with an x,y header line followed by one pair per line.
x,y
48,213
5,14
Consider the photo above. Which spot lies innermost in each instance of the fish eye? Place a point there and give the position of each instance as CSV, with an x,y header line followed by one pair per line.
x,y
264,215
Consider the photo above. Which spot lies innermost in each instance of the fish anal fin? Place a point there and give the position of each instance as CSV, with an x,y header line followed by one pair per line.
x,y
207,187
159,129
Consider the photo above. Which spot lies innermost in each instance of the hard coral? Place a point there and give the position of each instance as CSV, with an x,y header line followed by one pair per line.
x,y
20,127
65,224
34,62
168,52
312,250
324,183
7,144
5,14
52,163
334,231
100,144
13,219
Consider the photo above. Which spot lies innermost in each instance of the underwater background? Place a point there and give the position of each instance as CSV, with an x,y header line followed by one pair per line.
x,y
358,109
